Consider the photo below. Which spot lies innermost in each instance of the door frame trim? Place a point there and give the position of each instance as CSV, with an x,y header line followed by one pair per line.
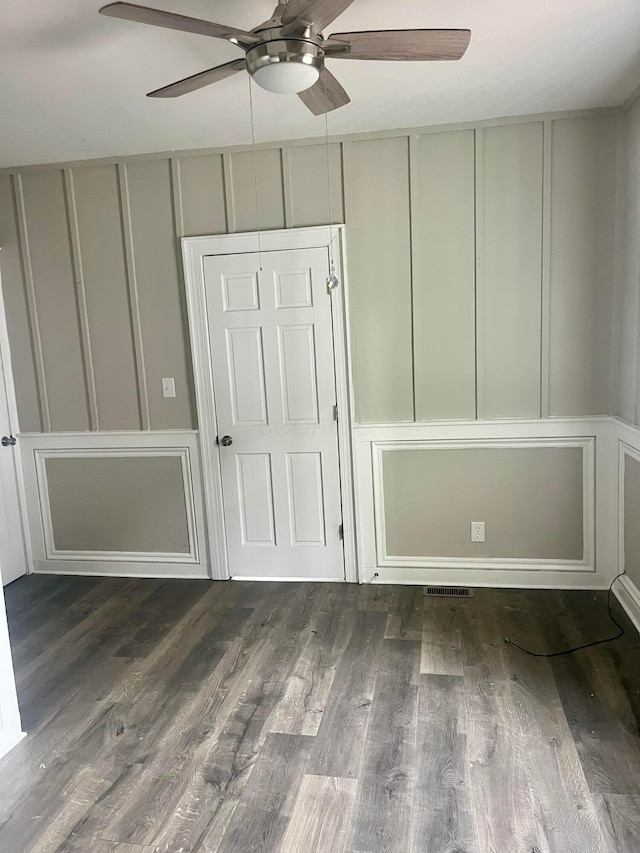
x,y
194,250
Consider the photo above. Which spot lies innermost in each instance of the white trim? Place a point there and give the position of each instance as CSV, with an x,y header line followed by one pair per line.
x,y
53,553
194,250
181,444
624,450
385,560
628,595
10,738
123,569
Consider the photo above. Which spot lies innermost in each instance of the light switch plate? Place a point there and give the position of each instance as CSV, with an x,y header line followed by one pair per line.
x,y
168,388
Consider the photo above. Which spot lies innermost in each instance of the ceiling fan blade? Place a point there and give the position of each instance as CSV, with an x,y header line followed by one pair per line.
x,y
325,95
198,81
315,13
403,45
159,18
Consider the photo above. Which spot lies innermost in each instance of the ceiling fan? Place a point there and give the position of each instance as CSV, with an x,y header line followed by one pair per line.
x,y
287,53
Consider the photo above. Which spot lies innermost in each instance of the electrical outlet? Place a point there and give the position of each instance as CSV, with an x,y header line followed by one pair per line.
x,y
168,388
477,531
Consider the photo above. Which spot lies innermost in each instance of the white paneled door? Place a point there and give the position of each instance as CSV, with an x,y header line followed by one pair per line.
x,y
13,561
271,343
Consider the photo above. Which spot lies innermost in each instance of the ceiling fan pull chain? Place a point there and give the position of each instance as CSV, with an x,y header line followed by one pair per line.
x,y
332,281
255,173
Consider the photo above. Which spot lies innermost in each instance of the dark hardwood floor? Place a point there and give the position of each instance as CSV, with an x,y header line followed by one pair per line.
x,y
187,716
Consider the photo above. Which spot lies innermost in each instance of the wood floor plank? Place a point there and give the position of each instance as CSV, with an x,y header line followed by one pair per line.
x,y
307,689
441,817
321,815
341,736
442,638
387,774
260,819
406,614
501,801
620,820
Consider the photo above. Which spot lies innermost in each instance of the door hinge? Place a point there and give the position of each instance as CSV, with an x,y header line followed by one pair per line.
x,y
341,531
335,412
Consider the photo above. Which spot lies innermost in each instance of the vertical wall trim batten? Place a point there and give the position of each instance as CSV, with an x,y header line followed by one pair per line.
x,y
347,154
81,300
412,156
134,302
32,306
287,188
479,180
545,325
177,210
229,203
176,196
618,270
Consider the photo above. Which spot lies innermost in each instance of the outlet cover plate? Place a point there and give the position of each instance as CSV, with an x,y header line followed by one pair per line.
x,y
477,531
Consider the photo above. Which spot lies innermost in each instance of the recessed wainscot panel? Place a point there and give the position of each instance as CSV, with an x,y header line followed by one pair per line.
x,y
632,518
118,503
531,500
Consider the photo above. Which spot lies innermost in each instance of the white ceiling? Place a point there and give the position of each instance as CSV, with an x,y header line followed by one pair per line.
x,y
73,83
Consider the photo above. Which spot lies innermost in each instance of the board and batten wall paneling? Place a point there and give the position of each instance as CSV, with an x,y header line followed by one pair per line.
x,y
510,271
270,190
160,293
376,176
202,197
583,179
531,500
443,242
104,277
14,293
51,263
307,185
407,201
632,518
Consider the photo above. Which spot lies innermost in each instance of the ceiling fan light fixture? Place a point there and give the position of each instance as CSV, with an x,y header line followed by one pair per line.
x,y
285,66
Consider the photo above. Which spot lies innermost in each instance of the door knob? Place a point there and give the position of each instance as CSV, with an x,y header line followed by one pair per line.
x,y
226,440
8,440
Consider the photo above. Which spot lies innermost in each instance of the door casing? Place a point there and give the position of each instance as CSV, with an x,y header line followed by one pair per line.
x,y
194,250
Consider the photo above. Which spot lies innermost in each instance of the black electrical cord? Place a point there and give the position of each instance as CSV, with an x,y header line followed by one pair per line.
x,y
585,645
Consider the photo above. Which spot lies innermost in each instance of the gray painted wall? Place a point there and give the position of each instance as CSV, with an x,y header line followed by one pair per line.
x,y
118,504
531,500
480,271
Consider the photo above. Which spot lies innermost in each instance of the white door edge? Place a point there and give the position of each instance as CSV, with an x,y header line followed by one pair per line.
x,y
194,250
12,404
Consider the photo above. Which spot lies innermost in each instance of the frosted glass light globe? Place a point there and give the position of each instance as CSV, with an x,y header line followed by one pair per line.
x,y
286,78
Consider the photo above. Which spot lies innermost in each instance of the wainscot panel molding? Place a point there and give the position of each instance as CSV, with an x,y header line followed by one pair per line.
x,y
174,488
596,438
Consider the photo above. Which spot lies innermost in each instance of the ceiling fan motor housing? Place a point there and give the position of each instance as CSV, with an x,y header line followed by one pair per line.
x,y
285,65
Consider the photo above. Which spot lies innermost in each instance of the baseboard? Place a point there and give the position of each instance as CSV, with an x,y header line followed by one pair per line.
x,y
628,595
96,568
9,739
